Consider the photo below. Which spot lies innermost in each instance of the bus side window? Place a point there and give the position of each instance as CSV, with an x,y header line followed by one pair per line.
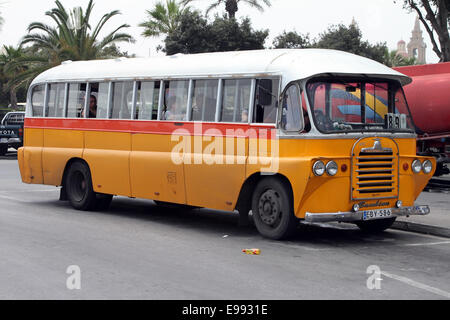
x,y
204,101
236,100
55,103
37,100
175,100
266,100
291,113
77,96
120,106
147,100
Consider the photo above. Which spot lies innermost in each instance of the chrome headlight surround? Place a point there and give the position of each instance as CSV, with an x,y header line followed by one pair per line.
x,y
332,168
318,168
416,166
427,166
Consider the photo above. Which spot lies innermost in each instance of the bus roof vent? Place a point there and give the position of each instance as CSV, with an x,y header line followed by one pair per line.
x,y
120,59
67,62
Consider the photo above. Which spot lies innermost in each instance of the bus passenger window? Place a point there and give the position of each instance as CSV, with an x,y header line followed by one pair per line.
x,y
266,100
55,103
37,100
175,102
147,100
236,100
204,101
99,97
77,96
291,116
121,108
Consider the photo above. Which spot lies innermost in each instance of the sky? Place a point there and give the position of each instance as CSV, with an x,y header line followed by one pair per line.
x,y
379,20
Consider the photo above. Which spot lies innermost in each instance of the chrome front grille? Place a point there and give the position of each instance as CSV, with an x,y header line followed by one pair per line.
x,y
375,173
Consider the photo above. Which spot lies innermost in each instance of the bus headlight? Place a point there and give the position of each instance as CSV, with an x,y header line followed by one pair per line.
x,y
427,166
416,166
332,168
319,168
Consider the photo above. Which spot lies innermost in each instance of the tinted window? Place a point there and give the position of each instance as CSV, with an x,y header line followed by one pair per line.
x,y
56,95
204,101
175,102
77,95
147,100
98,100
235,100
37,100
122,100
291,118
266,100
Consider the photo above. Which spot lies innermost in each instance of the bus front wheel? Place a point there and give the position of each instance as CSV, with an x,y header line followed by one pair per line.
x,y
78,186
272,209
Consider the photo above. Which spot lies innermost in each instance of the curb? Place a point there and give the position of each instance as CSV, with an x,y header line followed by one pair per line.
x,y
421,228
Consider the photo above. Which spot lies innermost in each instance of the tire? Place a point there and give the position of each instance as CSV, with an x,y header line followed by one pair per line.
x,y
78,184
375,226
3,149
272,208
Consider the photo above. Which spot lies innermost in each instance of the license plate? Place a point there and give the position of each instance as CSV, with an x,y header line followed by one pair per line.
x,y
3,140
377,214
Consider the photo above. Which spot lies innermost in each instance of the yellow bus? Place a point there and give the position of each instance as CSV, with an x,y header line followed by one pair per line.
x,y
288,135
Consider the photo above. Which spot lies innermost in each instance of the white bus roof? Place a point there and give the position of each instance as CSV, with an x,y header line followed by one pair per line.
x,y
292,64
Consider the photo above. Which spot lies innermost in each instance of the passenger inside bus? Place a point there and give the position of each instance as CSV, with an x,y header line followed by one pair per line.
x,y
93,107
172,112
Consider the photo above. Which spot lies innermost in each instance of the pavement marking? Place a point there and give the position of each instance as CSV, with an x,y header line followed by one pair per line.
x,y
14,199
416,284
27,191
426,244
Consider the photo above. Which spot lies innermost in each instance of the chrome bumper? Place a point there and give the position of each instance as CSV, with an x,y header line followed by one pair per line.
x,y
358,216
10,140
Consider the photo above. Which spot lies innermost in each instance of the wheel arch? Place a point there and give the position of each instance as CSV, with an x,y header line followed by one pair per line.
x,y
68,164
245,195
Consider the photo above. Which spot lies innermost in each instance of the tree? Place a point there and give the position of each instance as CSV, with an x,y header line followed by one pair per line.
x,y
71,39
393,59
1,21
349,39
195,34
162,19
8,71
232,6
291,40
435,17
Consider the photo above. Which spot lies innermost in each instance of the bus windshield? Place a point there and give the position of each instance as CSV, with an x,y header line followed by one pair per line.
x,y
358,105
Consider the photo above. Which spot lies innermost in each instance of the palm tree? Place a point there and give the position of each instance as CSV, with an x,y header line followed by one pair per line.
x,y
72,37
9,69
393,59
163,18
231,6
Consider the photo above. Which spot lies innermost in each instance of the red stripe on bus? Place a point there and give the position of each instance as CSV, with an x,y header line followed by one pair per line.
x,y
152,127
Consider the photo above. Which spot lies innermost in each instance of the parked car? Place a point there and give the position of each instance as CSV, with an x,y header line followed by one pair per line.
x,y
11,131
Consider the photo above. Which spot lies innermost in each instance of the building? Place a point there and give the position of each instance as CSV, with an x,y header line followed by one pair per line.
x,y
416,46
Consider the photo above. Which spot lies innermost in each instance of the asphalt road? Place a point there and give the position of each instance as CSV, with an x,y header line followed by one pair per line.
x,y
138,250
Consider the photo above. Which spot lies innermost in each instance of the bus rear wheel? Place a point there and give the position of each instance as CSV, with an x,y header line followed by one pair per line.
x,y
376,226
78,184
272,209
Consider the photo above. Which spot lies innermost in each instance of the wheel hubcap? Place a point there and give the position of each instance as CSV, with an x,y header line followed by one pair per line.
x,y
269,207
79,186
